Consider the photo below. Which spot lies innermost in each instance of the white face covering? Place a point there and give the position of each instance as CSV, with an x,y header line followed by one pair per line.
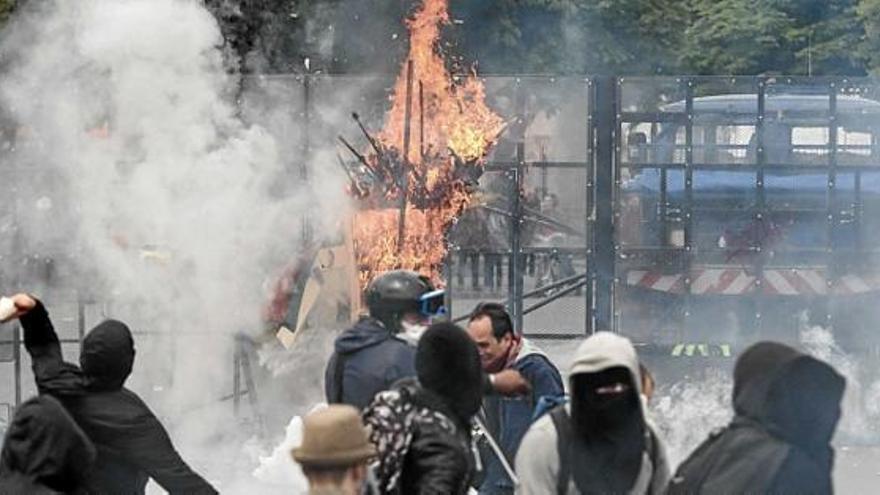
x,y
412,332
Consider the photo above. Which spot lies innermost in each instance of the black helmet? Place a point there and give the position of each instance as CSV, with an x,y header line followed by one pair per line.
x,y
393,293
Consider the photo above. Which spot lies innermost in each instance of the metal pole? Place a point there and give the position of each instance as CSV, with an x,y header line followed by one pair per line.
x,y
16,356
688,208
307,153
604,118
499,454
589,316
447,273
516,244
307,115
761,199
564,292
574,279
832,272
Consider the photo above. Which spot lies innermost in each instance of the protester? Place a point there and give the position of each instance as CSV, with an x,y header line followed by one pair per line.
x,y
380,349
786,405
132,445
334,451
375,353
600,441
507,419
422,428
44,451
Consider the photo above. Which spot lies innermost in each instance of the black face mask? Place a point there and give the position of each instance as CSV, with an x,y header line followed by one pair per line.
x,y
597,414
610,430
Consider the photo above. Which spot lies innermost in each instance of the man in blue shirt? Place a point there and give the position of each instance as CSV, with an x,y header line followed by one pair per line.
x,y
508,418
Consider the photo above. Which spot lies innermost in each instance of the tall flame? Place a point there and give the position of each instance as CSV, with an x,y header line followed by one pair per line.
x,y
451,128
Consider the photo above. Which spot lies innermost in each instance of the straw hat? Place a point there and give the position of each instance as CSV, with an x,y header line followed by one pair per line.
x,y
334,436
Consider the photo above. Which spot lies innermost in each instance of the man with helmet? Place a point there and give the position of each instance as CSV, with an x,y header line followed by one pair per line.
x,y
380,348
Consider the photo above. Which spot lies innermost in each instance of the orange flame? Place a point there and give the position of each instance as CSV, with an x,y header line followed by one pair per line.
x,y
458,127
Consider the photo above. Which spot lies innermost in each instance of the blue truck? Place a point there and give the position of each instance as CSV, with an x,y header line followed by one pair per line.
x,y
744,216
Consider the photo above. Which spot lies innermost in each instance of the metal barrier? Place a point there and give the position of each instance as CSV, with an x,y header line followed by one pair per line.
x,y
695,210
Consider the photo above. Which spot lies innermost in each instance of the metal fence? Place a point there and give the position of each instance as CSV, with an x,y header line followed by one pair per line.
x,y
690,213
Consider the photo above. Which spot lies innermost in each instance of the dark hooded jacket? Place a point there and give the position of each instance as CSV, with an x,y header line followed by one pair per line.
x,y
132,444
44,451
422,427
786,405
367,359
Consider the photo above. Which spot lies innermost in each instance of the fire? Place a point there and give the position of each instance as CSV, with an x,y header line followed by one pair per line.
x,y
451,129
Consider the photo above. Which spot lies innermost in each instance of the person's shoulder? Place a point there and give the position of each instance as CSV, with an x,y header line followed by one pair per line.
x,y
130,402
543,427
536,360
536,363
399,346
541,437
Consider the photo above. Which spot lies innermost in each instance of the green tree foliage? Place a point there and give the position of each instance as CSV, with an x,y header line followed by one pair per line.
x,y
6,7
667,36
628,37
868,14
736,37
571,36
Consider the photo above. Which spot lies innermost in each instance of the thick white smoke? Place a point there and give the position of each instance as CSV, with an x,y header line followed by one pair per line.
x,y
687,412
131,153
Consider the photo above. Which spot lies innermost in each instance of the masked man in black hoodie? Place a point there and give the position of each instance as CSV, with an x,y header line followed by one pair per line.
x,y
44,451
422,427
132,444
599,443
787,406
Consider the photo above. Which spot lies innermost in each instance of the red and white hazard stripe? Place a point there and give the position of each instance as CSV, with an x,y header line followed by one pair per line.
x,y
854,284
736,281
721,281
795,282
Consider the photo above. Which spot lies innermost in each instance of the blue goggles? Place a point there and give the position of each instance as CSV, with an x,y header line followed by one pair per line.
x,y
431,303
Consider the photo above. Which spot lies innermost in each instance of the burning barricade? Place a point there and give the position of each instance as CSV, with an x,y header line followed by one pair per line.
x,y
413,177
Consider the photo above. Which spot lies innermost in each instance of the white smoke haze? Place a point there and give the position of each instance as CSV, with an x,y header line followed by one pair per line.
x,y
176,209
687,411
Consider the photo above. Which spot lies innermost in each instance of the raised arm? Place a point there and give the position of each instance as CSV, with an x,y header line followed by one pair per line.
x,y
52,374
40,338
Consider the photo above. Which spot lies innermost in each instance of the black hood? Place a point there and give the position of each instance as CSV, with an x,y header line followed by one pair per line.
x,y
366,332
609,430
107,355
448,364
794,396
45,446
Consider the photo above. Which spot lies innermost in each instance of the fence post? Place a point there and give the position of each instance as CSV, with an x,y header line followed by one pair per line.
x,y
16,357
604,117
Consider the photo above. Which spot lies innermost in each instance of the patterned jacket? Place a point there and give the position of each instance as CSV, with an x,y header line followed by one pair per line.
x,y
421,448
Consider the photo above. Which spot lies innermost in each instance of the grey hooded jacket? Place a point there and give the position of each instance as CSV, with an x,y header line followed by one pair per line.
x,y
537,461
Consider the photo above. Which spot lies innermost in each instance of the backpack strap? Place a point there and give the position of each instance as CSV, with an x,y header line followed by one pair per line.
x,y
562,423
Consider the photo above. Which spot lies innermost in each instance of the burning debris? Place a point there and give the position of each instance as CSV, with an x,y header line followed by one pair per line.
x,y
411,186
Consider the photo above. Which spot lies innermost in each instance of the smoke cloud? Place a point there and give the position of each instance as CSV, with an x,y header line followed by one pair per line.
x,y
159,190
